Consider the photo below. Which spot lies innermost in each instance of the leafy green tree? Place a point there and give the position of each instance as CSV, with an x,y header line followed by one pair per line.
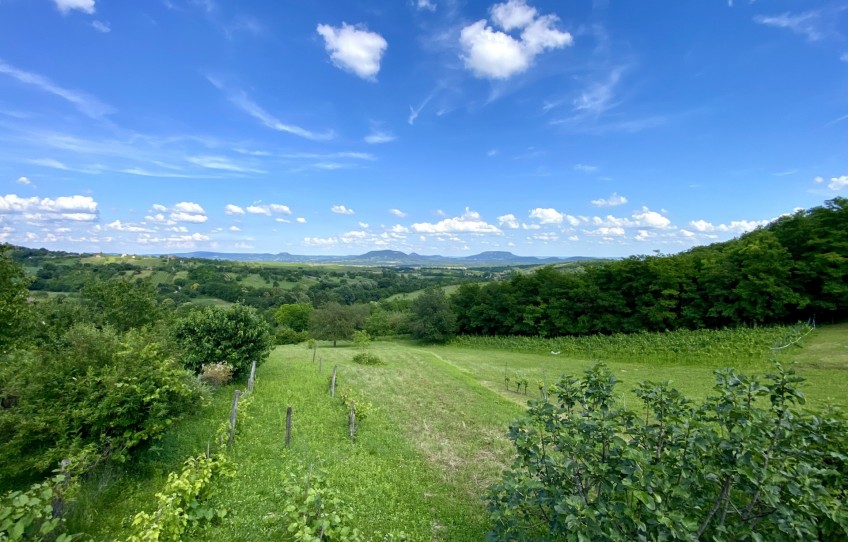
x,y
14,310
361,339
334,322
234,335
432,319
294,315
121,303
744,465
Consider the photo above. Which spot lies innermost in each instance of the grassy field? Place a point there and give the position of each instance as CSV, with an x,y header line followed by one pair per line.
x,y
425,454
412,295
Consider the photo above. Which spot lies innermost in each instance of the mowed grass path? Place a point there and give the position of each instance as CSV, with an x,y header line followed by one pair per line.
x,y
421,461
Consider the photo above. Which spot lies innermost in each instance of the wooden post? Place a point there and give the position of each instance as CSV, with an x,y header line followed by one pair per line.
x,y
352,421
314,350
333,382
233,413
252,379
288,426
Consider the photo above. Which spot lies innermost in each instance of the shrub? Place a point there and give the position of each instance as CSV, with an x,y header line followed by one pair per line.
x,y
286,335
744,465
98,394
235,335
216,374
367,358
361,339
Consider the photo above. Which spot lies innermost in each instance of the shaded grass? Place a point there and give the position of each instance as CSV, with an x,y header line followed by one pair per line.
x,y
110,496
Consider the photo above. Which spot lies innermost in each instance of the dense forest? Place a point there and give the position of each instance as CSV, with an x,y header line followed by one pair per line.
x,y
796,268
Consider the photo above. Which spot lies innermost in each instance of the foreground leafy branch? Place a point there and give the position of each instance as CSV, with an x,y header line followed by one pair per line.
x,y
746,464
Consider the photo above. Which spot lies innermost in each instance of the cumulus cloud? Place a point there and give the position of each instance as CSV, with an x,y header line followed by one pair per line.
x,y
300,220
233,210
508,221
268,210
65,6
73,208
122,226
234,228
426,4
354,49
185,211
552,216
494,54
469,222
23,180
341,209
398,213
735,226
836,183
612,201
320,241
651,219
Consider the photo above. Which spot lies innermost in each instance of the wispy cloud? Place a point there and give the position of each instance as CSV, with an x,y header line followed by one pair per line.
x,y
240,99
341,209
101,26
86,104
379,137
221,163
415,111
612,201
807,24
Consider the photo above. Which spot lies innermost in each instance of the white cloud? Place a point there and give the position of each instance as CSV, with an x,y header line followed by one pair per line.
x,y
469,222
612,201
240,99
221,163
341,209
73,208
606,231
552,216
805,24
585,168
23,180
159,207
426,4
836,183
598,97
398,213
101,26
320,242
363,225
354,49
513,14
547,236
235,228
735,226
189,207
494,54
86,6
233,210
379,137
300,220
650,219
268,210
121,226
86,104
508,221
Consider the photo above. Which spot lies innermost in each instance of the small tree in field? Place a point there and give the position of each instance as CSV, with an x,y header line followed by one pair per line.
x,y
235,335
432,319
334,321
744,465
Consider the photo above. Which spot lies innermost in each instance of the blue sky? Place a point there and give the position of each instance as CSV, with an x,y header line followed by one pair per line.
x,y
435,126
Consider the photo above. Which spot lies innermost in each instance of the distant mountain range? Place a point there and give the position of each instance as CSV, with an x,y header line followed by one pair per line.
x,y
390,258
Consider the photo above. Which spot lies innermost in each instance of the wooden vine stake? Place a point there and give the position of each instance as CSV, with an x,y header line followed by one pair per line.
x,y
252,379
314,350
320,363
333,382
352,421
233,413
288,426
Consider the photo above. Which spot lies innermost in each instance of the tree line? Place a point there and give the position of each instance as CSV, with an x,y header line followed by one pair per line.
x,y
796,268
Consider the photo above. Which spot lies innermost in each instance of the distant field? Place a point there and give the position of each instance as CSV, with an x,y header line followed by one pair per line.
x,y
412,295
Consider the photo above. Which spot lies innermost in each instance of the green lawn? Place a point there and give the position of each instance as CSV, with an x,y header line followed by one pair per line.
x,y
423,457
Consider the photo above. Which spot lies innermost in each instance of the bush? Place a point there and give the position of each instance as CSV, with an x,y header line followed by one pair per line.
x,y
367,358
744,465
235,335
99,394
286,335
216,374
